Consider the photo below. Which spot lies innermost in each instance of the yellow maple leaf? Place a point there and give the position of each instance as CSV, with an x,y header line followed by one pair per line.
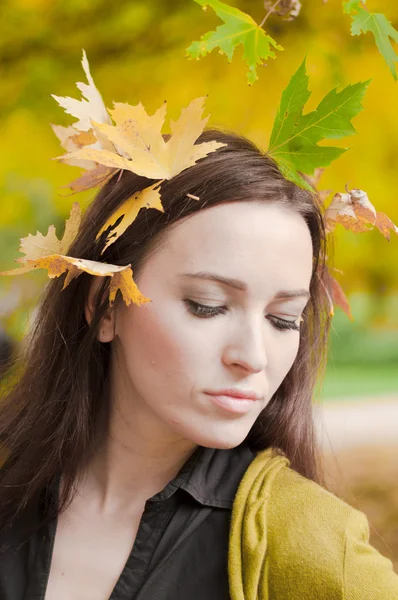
x,y
46,252
138,144
83,132
147,198
134,143
90,107
37,246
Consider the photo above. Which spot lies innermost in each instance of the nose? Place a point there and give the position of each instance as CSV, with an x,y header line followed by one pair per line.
x,y
246,347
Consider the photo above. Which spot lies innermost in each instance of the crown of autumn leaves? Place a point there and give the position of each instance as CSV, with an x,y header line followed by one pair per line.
x,y
105,141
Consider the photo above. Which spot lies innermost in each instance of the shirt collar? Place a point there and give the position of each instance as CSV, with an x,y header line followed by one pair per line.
x,y
211,475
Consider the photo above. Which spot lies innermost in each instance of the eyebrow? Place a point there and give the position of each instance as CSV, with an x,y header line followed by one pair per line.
x,y
240,285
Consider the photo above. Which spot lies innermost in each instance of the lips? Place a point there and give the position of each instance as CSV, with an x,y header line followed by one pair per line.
x,y
238,394
230,404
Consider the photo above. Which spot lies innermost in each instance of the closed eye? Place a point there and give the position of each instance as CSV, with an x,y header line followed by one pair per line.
x,y
205,312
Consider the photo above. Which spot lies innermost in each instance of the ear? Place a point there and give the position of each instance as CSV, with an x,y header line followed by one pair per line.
x,y
106,330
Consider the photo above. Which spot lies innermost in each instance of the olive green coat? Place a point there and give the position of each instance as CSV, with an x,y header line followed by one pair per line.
x,y
291,539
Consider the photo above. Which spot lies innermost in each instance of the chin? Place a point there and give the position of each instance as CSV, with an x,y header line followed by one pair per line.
x,y
225,441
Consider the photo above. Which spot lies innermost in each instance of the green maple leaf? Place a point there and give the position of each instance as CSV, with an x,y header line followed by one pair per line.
x,y
378,24
382,30
238,28
294,138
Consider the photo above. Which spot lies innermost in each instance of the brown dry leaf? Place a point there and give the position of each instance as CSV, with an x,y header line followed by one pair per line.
x,y
355,212
384,224
313,180
288,9
147,198
97,176
324,280
138,144
339,297
334,293
46,252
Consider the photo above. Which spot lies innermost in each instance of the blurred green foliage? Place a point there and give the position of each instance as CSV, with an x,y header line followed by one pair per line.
x,y
136,52
363,354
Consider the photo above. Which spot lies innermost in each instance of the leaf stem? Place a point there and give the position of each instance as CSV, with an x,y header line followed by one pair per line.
x,y
271,10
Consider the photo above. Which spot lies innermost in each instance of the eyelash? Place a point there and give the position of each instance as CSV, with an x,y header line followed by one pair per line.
x,y
211,311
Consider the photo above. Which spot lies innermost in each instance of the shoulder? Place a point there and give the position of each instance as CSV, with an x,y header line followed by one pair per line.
x,y
302,503
299,540
318,537
306,524
301,519
288,496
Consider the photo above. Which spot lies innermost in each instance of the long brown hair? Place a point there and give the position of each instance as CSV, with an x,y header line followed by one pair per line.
x,y
55,414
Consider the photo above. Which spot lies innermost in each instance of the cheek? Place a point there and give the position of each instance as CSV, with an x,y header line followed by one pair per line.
x,y
291,352
287,353
155,348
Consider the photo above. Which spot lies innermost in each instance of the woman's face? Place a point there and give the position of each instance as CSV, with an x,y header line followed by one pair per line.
x,y
167,354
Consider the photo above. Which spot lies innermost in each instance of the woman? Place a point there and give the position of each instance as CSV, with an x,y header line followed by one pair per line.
x,y
125,448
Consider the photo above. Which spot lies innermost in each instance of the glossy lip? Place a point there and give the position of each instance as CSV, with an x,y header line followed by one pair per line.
x,y
234,393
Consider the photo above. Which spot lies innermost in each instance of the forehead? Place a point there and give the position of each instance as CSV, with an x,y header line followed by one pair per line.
x,y
261,243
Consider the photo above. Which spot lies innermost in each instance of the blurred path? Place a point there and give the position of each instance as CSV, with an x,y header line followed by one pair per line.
x,y
348,423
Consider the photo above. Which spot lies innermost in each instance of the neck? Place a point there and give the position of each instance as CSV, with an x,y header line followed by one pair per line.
x,y
136,460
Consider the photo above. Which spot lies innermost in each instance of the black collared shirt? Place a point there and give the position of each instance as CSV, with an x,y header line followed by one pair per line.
x,y
181,548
